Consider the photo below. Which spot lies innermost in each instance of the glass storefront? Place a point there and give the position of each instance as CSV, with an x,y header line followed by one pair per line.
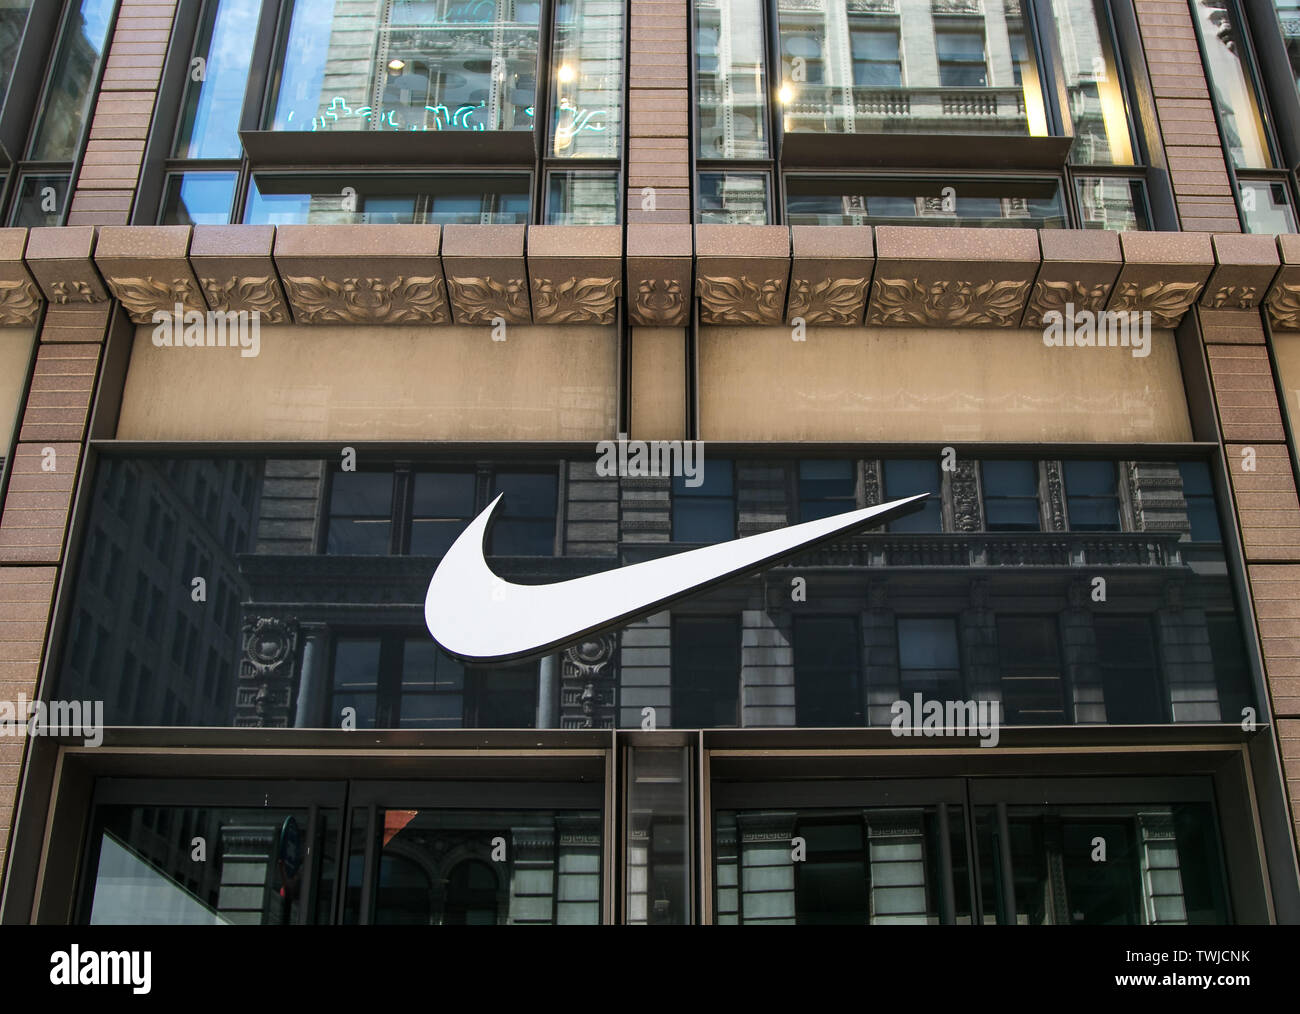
x,y
285,592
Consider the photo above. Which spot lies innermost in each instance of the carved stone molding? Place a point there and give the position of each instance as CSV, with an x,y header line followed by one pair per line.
x,y
574,300
659,303
399,300
740,300
143,297
1284,306
264,695
259,295
912,302
1231,297
966,506
480,300
20,303
587,684
64,292
828,301
1055,495
1056,296
1167,302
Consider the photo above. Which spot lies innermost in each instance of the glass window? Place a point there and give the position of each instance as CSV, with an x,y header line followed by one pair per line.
x,y
587,100
950,69
826,488
442,504
435,868
1163,865
1092,496
929,661
908,478
218,77
1130,674
731,78
1232,84
827,671
849,200
1029,656
876,866
525,521
707,512
582,198
429,65
1199,494
203,198
359,199
41,200
1010,496
143,875
433,687
1288,17
705,672
70,90
1112,202
1265,206
505,697
1231,668
13,20
357,683
360,513
729,198
1097,113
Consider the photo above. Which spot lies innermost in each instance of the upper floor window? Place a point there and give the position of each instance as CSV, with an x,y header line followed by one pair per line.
x,y
63,111
707,512
420,513
1028,68
1092,496
705,672
1262,193
908,478
827,671
826,488
1010,496
467,67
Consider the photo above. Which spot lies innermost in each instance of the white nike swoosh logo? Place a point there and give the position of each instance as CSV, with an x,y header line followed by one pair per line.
x,y
479,617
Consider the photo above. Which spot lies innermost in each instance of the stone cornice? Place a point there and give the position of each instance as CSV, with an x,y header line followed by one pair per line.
x,y
834,276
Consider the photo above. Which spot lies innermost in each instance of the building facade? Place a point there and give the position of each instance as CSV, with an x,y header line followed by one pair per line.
x,y
292,290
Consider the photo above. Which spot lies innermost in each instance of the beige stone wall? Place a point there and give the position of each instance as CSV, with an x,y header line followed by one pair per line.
x,y
901,384
15,358
390,383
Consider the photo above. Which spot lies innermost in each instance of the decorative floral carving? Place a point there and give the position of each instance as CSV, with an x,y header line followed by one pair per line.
x,y
19,302
1233,297
143,296
830,301
1167,301
258,294
966,508
1284,307
1055,495
653,305
479,300
953,303
740,301
576,301
73,291
398,300
1054,295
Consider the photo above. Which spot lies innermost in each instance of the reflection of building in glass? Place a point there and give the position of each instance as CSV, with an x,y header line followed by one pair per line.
x,y
138,640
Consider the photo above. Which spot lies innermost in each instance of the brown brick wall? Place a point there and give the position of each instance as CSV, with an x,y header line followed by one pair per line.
x,y
658,101
110,170
1267,509
1196,167
34,521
